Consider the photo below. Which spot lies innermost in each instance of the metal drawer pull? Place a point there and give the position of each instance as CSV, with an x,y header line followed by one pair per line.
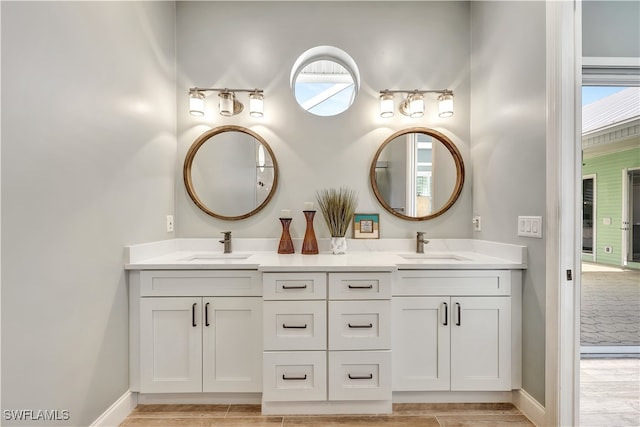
x,y
360,287
286,378
459,319
284,325
370,325
445,322
206,314
294,287
193,315
360,377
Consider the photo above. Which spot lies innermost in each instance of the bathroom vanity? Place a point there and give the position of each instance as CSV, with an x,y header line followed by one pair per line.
x,y
325,333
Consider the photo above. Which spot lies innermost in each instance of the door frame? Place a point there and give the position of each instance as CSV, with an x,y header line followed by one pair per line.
x,y
626,216
563,197
564,178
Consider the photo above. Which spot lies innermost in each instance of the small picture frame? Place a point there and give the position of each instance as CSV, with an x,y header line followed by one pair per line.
x,y
366,226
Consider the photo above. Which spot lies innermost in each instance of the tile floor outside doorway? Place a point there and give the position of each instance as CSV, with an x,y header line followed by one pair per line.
x,y
610,339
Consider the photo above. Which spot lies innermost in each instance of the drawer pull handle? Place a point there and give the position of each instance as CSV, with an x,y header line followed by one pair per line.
x,y
294,286
445,322
360,286
206,314
284,325
459,319
193,315
369,326
360,377
286,378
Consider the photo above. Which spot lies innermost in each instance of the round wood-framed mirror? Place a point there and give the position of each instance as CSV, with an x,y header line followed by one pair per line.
x,y
230,172
417,174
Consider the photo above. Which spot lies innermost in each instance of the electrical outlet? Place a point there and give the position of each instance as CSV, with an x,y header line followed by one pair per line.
x,y
608,249
477,223
169,223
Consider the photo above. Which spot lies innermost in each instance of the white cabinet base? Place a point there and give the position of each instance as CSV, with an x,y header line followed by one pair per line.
x,y
452,396
232,398
329,407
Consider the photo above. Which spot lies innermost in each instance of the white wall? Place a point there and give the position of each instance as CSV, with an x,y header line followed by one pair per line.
x,y
88,164
409,45
508,134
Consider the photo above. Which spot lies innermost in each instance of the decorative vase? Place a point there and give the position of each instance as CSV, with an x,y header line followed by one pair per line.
x,y
309,244
286,245
338,245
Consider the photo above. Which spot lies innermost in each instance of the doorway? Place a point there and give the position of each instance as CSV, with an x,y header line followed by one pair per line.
x,y
631,217
610,278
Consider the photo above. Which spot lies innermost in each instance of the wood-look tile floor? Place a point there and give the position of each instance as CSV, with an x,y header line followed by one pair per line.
x,y
404,415
610,392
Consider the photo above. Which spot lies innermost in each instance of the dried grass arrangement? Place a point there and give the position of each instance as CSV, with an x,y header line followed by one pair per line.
x,y
338,207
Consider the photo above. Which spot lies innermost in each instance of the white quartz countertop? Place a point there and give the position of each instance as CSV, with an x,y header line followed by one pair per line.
x,y
379,255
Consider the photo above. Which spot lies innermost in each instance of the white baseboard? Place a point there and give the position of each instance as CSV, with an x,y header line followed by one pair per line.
x,y
117,412
530,407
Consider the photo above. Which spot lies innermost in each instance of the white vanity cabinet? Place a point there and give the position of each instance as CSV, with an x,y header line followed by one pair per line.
x,y
327,340
456,330
196,331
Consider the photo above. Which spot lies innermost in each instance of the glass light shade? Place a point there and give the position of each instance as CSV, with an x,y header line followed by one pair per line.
x,y
386,105
256,104
196,103
416,105
445,105
225,105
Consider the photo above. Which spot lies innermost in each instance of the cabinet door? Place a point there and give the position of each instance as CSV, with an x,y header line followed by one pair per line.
x,y
420,343
232,344
170,345
480,343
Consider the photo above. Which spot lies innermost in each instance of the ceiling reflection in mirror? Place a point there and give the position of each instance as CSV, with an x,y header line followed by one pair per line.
x,y
417,174
230,172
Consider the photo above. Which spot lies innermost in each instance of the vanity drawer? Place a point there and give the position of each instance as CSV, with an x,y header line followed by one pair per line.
x,y
294,376
350,286
359,325
452,282
200,283
294,286
360,375
295,325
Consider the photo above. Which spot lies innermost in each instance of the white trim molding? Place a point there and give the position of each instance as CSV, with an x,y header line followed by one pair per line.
x,y
530,407
117,412
564,44
610,71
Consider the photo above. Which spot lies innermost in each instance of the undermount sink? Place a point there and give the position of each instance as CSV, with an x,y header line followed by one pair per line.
x,y
433,257
216,257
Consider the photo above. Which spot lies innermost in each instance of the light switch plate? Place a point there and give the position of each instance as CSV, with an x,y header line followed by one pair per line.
x,y
530,226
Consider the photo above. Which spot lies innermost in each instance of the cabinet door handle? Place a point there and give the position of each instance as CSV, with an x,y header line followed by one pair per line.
x,y
360,377
193,315
360,286
459,317
286,378
206,314
445,321
294,287
285,326
369,326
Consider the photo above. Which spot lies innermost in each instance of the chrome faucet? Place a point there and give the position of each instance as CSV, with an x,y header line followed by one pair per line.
x,y
420,242
226,242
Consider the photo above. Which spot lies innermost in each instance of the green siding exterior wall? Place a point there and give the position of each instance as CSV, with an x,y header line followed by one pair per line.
x,y
608,169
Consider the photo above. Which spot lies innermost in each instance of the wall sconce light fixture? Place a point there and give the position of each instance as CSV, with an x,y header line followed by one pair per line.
x,y
413,104
228,105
